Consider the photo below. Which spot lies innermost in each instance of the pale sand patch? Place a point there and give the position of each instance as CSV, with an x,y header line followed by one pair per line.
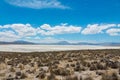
x,y
42,48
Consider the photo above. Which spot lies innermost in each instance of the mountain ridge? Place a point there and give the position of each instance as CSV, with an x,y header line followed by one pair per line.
x,y
63,43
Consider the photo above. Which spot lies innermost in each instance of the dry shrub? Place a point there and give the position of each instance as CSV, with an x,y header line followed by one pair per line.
x,y
113,76
71,78
88,78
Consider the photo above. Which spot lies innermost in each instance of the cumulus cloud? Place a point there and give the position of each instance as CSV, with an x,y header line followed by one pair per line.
x,y
0,26
46,29
118,25
18,31
8,36
37,4
24,30
12,32
21,29
114,31
96,28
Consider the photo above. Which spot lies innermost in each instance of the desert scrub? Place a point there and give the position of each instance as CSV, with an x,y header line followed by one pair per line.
x,y
99,73
77,68
12,69
72,65
88,78
113,64
93,67
2,74
113,76
62,64
51,77
61,71
99,66
119,71
71,78
41,75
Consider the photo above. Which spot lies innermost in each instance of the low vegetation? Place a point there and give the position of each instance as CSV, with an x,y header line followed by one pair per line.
x,y
61,65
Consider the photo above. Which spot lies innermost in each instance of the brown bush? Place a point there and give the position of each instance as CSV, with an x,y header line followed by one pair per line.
x,y
113,76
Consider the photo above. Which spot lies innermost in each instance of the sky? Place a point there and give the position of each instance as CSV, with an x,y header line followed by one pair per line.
x,y
60,20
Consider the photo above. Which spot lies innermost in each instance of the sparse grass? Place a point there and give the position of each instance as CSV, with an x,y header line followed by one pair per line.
x,y
113,76
61,64
88,78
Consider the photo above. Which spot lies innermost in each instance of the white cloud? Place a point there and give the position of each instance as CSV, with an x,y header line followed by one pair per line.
x,y
118,25
37,4
11,32
8,36
0,26
25,31
21,29
114,31
46,29
49,40
96,28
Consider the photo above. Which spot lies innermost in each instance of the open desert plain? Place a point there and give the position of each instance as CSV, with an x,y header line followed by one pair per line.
x,y
88,64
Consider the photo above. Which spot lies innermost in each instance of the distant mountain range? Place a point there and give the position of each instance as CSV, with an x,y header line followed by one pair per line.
x,y
17,42
62,43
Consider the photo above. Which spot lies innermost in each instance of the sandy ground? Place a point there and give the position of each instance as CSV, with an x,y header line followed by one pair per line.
x,y
41,48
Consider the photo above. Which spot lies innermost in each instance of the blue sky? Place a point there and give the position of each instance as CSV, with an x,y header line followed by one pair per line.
x,y
59,20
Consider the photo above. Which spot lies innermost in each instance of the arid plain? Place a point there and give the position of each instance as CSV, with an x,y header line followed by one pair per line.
x,y
92,64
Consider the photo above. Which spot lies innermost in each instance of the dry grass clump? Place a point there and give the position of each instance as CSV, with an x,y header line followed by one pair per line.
x,y
71,78
51,77
88,78
112,76
61,71
119,71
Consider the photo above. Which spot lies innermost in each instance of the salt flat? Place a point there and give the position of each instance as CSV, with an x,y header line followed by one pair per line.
x,y
42,48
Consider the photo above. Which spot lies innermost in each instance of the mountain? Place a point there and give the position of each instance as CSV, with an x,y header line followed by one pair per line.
x,y
17,42
57,43
110,44
63,43
86,43
23,42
